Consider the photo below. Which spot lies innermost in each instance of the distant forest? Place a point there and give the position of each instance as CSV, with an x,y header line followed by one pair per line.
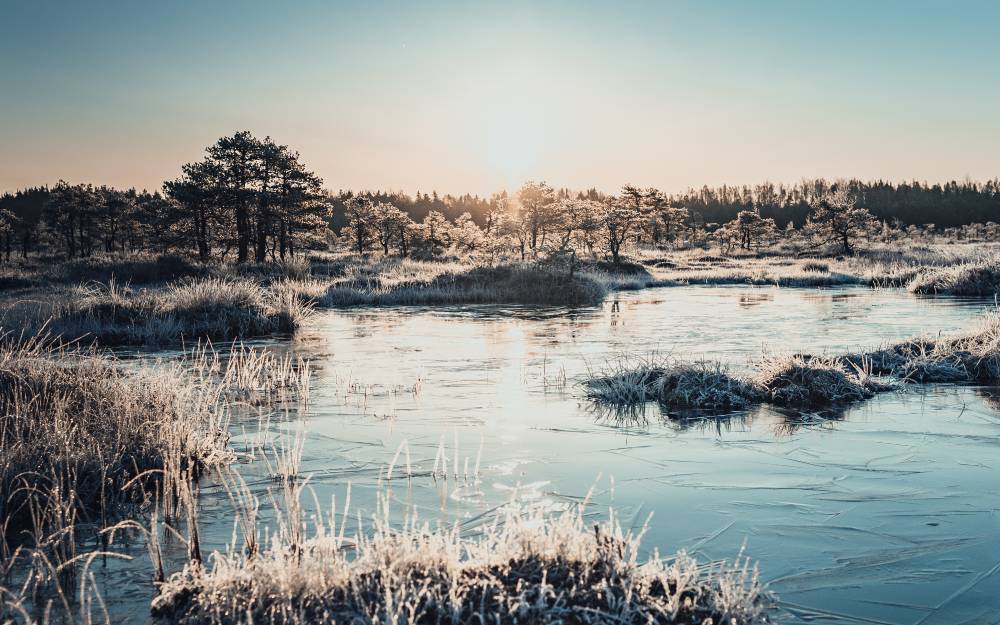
x,y
947,205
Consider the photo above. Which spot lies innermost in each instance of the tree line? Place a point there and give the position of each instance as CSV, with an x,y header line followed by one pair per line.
x,y
248,199
541,222
252,199
951,204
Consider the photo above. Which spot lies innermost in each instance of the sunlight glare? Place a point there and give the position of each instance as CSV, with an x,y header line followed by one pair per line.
x,y
515,137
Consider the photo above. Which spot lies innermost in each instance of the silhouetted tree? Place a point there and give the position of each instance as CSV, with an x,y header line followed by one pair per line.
x,y
248,193
197,209
8,224
69,217
236,159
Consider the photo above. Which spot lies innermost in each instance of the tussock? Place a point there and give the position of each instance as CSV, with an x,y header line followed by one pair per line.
x,y
981,278
761,272
674,384
790,381
813,382
503,284
526,567
972,357
147,269
212,308
134,269
878,267
806,382
816,266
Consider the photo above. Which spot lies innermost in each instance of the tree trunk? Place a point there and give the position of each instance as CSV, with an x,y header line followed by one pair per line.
x,y
403,251
201,232
260,251
242,233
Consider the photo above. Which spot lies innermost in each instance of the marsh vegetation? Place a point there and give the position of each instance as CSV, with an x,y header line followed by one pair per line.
x,y
133,412
525,566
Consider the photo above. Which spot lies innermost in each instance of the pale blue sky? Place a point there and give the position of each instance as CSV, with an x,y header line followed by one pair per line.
x,y
477,96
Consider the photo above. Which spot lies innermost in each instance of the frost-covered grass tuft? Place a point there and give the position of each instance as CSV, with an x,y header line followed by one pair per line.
x,y
812,382
791,381
81,435
674,384
436,283
525,567
979,278
966,357
212,308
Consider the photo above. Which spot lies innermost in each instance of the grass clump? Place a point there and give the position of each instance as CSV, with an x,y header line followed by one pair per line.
x,y
700,385
813,382
81,436
134,269
529,284
816,266
803,382
972,357
522,568
806,382
970,279
211,308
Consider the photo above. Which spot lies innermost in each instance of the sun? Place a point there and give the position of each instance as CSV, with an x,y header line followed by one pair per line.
x,y
514,137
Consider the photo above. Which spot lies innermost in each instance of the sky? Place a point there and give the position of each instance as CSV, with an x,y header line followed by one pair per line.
x,y
479,96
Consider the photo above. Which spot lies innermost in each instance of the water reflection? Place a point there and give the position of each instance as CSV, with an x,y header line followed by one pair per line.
x,y
748,300
781,422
